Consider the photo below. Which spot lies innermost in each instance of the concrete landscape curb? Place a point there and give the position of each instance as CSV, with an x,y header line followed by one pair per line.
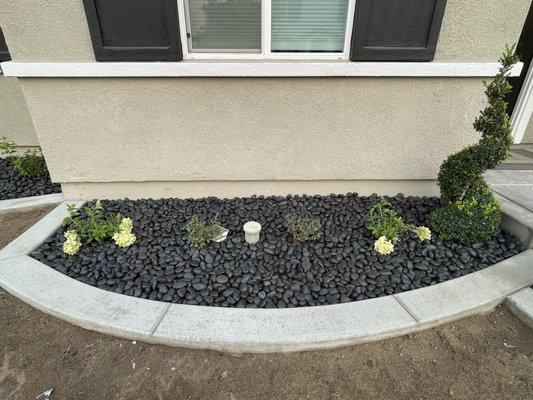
x,y
250,330
521,304
30,203
518,220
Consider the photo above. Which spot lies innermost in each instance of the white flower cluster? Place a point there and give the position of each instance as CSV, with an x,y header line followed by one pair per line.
x,y
124,237
423,233
383,245
72,244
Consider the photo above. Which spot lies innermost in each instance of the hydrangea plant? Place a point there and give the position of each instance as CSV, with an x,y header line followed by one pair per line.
x,y
388,227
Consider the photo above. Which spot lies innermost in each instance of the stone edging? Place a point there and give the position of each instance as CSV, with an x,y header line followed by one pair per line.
x,y
521,304
30,203
250,330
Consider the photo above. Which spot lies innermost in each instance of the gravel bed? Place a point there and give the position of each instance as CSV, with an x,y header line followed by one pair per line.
x,y
13,185
340,267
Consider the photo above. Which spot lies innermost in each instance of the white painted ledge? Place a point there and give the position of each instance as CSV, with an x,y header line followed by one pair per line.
x,y
251,69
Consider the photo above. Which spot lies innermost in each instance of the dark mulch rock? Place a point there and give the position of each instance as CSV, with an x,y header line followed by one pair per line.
x,y
340,267
13,185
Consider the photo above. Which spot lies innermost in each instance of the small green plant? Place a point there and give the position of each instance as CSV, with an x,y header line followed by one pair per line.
x,y
7,148
30,164
200,234
302,229
96,227
388,227
383,220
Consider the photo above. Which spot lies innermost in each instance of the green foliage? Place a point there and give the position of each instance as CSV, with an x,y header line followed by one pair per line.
x,y
29,164
199,234
470,212
474,219
7,148
383,220
96,226
303,229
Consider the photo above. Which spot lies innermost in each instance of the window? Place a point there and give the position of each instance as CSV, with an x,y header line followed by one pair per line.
x,y
277,29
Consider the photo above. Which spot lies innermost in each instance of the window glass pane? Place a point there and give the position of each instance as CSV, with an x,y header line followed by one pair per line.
x,y
225,25
308,25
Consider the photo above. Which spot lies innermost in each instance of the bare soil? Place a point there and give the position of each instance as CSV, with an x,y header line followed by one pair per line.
x,y
482,357
14,224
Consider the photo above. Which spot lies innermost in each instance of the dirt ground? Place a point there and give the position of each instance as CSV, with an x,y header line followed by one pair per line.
x,y
13,224
483,357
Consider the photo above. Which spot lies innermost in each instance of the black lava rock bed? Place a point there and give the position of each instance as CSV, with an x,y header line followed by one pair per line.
x,y
340,267
14,185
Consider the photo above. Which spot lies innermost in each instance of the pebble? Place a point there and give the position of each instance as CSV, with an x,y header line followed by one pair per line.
x,y
340,267
14,185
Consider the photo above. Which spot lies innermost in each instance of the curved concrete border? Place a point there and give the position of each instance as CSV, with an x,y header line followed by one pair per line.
x,y
250,330
30,203
521,304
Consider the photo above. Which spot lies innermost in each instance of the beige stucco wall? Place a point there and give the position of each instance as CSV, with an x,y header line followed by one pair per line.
x,y
528,135
15,120
268,129
48,30
479,29
233,136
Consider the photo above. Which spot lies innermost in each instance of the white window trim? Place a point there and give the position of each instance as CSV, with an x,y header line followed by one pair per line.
x,y
266,53
253,68
523,110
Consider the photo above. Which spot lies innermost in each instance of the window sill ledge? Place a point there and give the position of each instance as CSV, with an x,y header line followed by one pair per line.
x,y
251,69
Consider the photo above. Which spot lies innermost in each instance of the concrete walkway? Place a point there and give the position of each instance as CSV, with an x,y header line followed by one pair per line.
x,y
514,179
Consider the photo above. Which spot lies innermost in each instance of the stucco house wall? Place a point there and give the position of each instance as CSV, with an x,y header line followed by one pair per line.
x,y
152,137
15,120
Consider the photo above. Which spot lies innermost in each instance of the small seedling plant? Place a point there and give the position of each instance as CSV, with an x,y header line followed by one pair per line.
x,y
30,164
302,229
388,227
200,234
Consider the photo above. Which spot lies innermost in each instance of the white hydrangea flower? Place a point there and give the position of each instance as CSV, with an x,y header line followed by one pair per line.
x,y
383,246
124,239
423,233
126,225
72,244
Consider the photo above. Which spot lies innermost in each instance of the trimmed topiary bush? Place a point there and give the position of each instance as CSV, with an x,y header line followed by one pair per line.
x,y
470,213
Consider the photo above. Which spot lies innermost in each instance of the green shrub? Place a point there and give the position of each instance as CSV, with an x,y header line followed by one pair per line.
x,y
470,213
199,234
30,164
96,227
474,219
302,229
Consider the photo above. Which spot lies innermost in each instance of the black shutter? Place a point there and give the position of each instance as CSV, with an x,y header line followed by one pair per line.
x,y
396,30
134,30
4,52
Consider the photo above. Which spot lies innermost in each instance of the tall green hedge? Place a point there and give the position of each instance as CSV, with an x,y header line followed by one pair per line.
x,y
470,213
